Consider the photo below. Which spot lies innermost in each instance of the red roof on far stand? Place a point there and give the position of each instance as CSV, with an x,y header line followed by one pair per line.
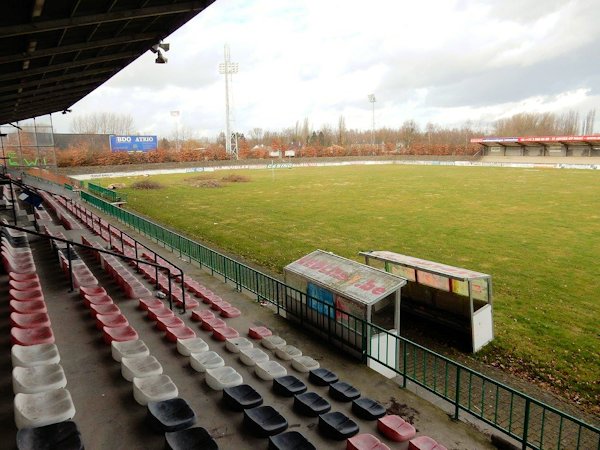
x,y
593,139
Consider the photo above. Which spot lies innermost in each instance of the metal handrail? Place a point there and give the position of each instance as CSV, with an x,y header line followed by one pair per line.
x,y
88,247
122,233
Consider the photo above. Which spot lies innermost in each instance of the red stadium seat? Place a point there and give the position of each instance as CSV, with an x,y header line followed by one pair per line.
x,y
211,324
26,285
198,315
259,332
162,323
34,320
424,443
396,428
172,334
224,333
111,320
119,334
91,291
230,312
36,306
31,336
149,302
365,442
97,300
109,308
26,296
161,311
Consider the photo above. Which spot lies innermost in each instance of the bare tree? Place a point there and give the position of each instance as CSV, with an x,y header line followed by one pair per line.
x,y
588,123
341,131
103,123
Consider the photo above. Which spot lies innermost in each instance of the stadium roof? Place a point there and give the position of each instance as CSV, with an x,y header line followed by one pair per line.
x,y
55,52
591,140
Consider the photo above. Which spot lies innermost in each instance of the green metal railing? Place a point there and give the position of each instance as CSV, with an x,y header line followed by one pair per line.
x,y
531,422
108,194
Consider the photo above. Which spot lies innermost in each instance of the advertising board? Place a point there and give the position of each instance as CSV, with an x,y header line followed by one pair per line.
x,y
133,143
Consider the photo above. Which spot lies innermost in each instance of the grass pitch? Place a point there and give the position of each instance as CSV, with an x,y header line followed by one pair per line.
x,y
537,232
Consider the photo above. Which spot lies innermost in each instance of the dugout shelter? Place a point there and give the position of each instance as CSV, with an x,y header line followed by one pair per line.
x,y
336,297
540,145
458,298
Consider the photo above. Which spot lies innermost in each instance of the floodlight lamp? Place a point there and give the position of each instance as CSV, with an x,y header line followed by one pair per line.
x,y
161,59
65,111
160,46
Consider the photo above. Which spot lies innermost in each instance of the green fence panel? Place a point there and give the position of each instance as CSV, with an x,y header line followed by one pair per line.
x,y
529,421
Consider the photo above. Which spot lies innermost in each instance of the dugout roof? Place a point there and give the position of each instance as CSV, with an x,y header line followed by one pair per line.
x,y
592,140
345,277
55,52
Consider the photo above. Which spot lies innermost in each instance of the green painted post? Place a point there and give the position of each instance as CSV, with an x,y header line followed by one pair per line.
x,y
404,360
526,423
457,396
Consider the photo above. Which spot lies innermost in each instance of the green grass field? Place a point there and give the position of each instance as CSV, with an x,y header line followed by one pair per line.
x,y
537,232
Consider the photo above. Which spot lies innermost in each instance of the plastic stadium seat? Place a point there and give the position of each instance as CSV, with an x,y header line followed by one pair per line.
x,y
190,439
120,334
159,311
23,276
170,415
270,369
304,363
62,435
241,397
337,426
106,309
153,389
111,320
30,380
172,334
128,349
222,377
43,408
201,362
190,303
287,352
368,409
272,342
396,428
343,391
230,312
149,302
264,421
31,336
27,285
224,333
34,355
253,356
162,323
140,367
219,306
34,320
322,377
36,306
259,332
92,291
26,296
290,440
235,345
424,443
209,324
104,299
288,386
186,347
311,404
365,442
199,315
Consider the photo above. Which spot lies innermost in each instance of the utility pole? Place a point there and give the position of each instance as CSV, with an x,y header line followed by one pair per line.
x,y
228,68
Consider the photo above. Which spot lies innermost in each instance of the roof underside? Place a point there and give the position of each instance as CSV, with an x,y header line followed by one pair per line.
x,y
55,52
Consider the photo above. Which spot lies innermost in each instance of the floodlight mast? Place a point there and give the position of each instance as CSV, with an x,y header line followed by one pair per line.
x,y
228,68
372,100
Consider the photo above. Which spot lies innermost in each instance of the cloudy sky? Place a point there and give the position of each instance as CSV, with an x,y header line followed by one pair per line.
x,y
444,61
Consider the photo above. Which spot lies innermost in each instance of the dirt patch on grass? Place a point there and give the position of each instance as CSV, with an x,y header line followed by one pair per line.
x,y
146,184
208,183
233,178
